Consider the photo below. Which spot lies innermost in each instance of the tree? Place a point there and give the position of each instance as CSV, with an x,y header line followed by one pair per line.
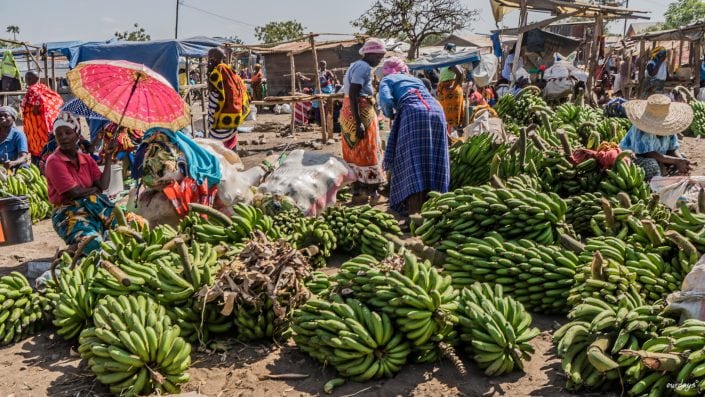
x,y
279,31
683,12
138,34
414,20
15,30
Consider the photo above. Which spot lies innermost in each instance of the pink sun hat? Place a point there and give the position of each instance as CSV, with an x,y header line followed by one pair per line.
x,y
373,46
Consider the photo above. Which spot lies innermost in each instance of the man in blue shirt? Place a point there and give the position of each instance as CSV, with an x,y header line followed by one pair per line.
x,y
14,151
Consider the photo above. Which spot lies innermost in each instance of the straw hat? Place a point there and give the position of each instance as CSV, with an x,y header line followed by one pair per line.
x,y
658,115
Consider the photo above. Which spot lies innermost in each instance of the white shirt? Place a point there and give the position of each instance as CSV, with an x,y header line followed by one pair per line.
x,y
507,69
662,73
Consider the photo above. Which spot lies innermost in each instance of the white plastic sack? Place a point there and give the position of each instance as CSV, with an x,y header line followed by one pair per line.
x,y
690,300
311,180
253,114
485,124
557,88
559,70
701,95
484,73
671,189
234,187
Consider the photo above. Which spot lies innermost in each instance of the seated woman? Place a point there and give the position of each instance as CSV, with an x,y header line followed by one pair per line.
x,y
76,187
417,149
655,123
14,152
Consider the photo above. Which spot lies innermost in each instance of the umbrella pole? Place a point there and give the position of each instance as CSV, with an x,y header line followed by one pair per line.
x,y
132,92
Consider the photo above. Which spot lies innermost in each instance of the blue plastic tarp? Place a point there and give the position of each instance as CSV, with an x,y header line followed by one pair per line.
x,y
444,59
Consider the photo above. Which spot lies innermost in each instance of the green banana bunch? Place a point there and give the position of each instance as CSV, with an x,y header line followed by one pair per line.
x,y
22,311
628,178
319,284
505,107
525,103
361,344
362,229
219,228
133,348
470,160
581,209
29,182
689,224
198,324
72,296
697,128
524,181
539,276
558,174
313,231
259,322
420,300
450,218
496,328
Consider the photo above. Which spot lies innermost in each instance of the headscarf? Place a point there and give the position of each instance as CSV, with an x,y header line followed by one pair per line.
x,y
657,51
373,46
67,120
9,109
394,65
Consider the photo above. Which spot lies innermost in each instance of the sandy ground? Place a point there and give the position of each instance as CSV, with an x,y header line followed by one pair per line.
x,y
45,365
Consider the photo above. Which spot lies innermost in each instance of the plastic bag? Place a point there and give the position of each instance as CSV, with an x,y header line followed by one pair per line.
x,y
310,180
484,73
671,189
485,124
557,88
690,300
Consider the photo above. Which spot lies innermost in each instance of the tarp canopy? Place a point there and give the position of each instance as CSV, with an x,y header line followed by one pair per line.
x,y
500,8
692,32
443,59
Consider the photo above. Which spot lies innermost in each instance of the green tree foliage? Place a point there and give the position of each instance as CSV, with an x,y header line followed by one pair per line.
x,y
138,34
15,30
683,12
279,31
414,20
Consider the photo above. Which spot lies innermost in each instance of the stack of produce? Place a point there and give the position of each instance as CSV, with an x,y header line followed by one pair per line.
x,y
625,176
690,225
581,210
590,343
450,218
134,349
539,276
209,225
22,311
28,182
319,284
496,328
302,231
697,128
470,160
675,357
72,296
362,229
199,324
261,288
521,108
421,301
359,343
560,175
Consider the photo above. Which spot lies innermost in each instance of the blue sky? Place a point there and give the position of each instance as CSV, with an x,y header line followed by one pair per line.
x,y
58,20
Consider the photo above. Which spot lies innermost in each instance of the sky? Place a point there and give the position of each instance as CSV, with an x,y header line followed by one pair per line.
x,y
62,20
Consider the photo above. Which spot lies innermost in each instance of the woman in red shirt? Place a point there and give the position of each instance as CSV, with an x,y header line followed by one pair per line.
x,y
76,187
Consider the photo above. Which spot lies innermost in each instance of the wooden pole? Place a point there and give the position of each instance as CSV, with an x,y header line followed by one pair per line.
x,y
520,39
321,103
592,61
293,91
204,97
696,65
641,68
46,65
55,86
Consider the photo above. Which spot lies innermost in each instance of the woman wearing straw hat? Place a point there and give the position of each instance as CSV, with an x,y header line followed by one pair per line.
x,y
656,122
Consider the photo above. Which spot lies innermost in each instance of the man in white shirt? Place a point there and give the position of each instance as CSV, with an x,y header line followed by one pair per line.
x,y
508,62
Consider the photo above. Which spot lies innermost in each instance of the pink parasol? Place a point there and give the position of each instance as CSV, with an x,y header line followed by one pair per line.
x,y
129,94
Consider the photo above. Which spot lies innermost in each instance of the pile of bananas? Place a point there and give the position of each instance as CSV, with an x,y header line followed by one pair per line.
x,y
602,274
526,104
524,181
497,327
28,182
612,129
697,128
319,284
220,228
361,344
450,218
198,324
581,209
676,357
690,225
505,107
362,229
590,343
420,300
133,348
313,231
559,175
260,288
72,296
628,178
470,160
537,275
22,311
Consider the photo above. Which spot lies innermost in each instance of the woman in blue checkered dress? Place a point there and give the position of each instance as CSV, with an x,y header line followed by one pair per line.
x,y
417,149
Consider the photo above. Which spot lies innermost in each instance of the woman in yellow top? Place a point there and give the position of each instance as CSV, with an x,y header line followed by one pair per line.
x,y
450,93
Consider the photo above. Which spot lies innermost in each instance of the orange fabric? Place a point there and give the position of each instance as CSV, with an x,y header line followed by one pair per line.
x,y
364,156
233,103
452,102
38,126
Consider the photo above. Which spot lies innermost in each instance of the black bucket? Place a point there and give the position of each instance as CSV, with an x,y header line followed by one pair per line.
x,y
15,221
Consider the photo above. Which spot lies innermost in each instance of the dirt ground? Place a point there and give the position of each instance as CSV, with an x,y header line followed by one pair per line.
x,y
45,365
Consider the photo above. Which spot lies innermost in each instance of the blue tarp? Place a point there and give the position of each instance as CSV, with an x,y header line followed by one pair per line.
x,y
443,59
